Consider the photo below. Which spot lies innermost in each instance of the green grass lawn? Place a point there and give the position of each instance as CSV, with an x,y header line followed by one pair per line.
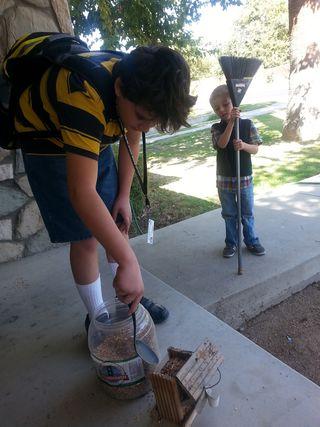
x,y
298,166
193,146
270,128
271,170
197,145
167,207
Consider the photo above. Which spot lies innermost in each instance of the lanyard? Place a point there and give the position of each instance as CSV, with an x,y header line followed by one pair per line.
x,y
143,182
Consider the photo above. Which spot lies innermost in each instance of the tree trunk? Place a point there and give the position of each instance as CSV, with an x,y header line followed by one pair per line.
x,y
22,231
18,17
303,113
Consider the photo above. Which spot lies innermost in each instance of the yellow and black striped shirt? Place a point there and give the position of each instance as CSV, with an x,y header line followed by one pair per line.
x,y
68,105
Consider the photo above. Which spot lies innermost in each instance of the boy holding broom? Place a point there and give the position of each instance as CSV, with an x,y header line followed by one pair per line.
x,y
224,142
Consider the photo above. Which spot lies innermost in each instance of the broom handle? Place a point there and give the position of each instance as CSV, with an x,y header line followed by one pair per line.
x,y
238,199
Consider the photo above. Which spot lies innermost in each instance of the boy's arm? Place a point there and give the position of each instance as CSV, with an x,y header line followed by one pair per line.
x,y
125,173
224,138
240,145
82,178
252,148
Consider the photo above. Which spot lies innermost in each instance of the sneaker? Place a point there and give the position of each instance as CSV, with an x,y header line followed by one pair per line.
x,y
256,249
229,251
157,312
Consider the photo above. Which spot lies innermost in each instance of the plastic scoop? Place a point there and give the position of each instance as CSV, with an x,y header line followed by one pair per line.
x,y
142,349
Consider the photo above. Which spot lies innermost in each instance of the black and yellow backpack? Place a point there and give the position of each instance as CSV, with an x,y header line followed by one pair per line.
x,y
26,62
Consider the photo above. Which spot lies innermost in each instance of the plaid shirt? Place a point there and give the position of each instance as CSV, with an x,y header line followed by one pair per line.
x,y
230,182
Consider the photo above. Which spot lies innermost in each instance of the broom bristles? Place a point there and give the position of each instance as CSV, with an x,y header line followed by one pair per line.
x,y
236,67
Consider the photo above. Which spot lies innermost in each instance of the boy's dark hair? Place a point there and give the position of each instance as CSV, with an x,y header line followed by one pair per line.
x,y
158,79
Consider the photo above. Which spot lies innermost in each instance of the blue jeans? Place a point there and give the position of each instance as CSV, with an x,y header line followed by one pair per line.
x,y
48,180
230,214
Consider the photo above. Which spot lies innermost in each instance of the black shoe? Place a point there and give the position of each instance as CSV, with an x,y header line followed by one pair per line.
x,y
256,249
229,251
157,312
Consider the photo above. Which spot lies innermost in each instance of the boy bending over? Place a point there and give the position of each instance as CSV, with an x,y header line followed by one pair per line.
x,y
79,190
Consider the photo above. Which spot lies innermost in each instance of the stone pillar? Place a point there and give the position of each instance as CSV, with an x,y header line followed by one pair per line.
x,y
22,231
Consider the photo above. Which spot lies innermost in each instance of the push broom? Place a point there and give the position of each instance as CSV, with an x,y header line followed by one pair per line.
x,y
239,73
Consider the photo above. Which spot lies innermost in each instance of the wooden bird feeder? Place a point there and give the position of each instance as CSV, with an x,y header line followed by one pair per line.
x,y
179,382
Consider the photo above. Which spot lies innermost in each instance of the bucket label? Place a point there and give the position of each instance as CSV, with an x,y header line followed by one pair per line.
x,y
121,374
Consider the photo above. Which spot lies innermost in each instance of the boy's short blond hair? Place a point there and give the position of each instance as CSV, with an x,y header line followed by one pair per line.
x,y
218,93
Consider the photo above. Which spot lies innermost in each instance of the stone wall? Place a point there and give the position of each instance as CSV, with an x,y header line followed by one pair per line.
x,y
22,232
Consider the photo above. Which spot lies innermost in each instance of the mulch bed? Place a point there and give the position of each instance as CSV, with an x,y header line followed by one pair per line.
x,y
291,331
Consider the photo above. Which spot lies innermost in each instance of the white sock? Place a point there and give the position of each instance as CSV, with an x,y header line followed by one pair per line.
x,y
91,295
113,267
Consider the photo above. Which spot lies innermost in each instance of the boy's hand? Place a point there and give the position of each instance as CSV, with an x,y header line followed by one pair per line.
x,y
235,113
122,209
238,144
128,284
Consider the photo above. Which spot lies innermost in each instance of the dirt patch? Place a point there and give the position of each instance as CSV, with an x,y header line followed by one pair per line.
x,y
291,331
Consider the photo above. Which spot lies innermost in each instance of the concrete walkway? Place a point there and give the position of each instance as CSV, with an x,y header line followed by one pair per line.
x,y
47,377
187,255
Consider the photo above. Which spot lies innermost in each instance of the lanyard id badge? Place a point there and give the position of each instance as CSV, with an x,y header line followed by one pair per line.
x,y
150,231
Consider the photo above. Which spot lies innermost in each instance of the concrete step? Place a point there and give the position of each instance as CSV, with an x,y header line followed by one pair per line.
x,y
187,255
